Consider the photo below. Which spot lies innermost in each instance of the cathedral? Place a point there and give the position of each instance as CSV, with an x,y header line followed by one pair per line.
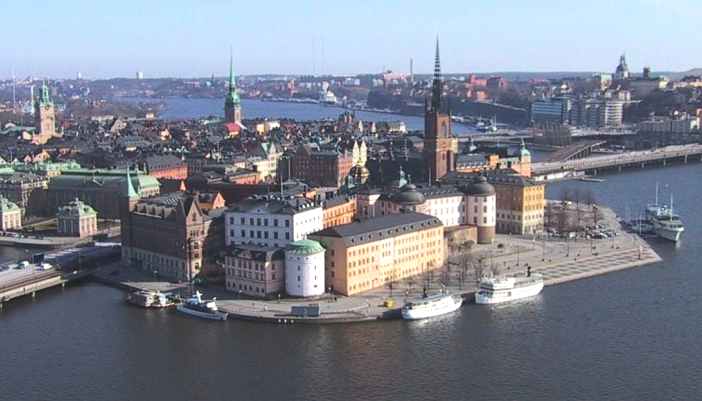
x,y
440,147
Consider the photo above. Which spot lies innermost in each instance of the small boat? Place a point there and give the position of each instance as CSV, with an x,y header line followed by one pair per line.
x,y
196,306
431,306
494,290
150,299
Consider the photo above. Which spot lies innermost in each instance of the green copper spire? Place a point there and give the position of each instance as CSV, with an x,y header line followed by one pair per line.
x,y
232,96
131,193
45,97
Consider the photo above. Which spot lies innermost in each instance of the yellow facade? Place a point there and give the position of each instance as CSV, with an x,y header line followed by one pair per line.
x,y
351,269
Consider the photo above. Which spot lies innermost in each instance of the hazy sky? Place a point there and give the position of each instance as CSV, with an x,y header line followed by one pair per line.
x,y
187,38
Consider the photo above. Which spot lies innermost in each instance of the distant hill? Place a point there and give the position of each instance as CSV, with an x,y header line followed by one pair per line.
x,y
679,75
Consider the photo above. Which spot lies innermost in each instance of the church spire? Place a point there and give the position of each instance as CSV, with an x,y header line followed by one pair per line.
x,y
232,95
437,84
131,193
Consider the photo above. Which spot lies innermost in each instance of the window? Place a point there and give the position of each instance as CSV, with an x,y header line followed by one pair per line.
x,y
275,235
258,221
275,222
287,236
243,221
287,223
298,278
231,220
265,222
251,221
243,233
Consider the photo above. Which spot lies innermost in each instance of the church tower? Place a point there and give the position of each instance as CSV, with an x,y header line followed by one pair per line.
x,y
232,104
127,202
440,147
44,116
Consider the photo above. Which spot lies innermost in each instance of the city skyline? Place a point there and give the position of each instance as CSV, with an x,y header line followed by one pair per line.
x,y
189,39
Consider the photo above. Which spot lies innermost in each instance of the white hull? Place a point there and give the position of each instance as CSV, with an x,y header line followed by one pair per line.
x,y
217,315
485,298
440,307
670,235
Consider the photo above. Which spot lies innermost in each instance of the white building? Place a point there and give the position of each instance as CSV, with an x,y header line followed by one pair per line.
x,y
10,215
272,222
481,209
304,269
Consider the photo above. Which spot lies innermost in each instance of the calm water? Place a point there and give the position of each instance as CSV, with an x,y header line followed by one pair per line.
x,y
185,108
632,335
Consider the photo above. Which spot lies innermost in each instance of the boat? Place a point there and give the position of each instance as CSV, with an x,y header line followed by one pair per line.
x,y
666,224
494,290
150,299
431,306
328,98
196,306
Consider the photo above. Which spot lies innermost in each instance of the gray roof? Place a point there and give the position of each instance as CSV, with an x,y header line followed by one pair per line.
x,y
379,228
274,205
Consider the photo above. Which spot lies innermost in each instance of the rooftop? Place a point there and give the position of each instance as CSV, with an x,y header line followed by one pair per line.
x,y
380,228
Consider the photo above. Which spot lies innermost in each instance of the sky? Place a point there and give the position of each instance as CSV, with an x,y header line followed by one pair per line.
x,y
192,38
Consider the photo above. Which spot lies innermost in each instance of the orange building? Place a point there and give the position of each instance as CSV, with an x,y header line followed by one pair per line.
x,y
372,253
339,210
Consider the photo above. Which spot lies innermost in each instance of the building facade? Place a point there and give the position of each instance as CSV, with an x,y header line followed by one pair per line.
x,y
317,167
373,253
338,210
272,222
76,219
520,204
171,235
28,191
255,271
10,215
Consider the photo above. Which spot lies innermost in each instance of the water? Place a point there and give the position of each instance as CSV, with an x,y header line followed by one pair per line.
x,y
630,335
188,108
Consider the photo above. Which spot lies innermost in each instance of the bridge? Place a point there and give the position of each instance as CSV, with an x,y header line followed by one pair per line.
x,y
594,164
577,150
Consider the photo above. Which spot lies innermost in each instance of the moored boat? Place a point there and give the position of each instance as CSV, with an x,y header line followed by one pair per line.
x,y
150,299
494,290
434,305
196,306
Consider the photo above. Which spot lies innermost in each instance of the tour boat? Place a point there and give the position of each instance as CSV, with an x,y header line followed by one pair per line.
x,y
195,306
150,299
666,224
434,305
493,290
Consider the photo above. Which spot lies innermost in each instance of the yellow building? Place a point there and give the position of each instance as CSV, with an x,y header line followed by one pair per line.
x,y
520,204
369,254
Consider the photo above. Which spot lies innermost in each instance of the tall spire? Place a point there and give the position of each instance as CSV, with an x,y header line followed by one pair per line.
x,y
232,95
131,193
437,85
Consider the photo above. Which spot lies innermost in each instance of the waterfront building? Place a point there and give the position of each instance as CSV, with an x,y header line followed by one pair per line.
x,y
255,271
27,190
664,125
98,188
76,219
338,210
373,253
171,235
304,269
597,113
553,110
271,221
10,215
480,209
519,202
440,147
232,103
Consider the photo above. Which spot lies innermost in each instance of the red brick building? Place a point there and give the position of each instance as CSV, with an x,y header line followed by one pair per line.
x,y
166,166
326,168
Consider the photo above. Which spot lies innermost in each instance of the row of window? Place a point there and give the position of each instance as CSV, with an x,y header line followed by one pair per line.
x,y
259,221
259,234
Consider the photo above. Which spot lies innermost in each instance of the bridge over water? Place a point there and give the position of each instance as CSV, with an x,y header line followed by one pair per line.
x,y
593,164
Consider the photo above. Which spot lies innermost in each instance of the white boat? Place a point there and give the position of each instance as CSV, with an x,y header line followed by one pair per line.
x,y
494,290
195,306
150,299
666,224
434,305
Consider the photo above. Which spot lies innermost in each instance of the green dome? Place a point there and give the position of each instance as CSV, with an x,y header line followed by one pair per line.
x,y
305,247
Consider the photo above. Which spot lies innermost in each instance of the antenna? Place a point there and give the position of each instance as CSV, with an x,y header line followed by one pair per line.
x,y
14,99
